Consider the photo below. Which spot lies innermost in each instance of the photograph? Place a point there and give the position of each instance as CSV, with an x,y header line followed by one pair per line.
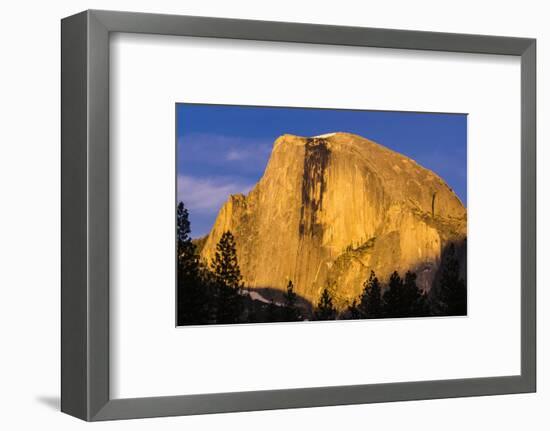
x,y
305,214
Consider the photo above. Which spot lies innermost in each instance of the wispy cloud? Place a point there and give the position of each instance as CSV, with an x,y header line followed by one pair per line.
x,y
246,154
211,167
233,155
207,195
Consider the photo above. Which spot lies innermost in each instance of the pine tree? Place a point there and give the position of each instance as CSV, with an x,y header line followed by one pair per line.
x,y
192,293
413,305
452,288
187,258
353,311
370,304
325,309
291,311
392,299
228,280
402,298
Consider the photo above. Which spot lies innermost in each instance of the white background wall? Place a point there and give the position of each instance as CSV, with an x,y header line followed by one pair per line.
x,y
29,215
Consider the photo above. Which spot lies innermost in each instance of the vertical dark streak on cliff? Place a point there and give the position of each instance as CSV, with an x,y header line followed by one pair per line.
x,y
316,160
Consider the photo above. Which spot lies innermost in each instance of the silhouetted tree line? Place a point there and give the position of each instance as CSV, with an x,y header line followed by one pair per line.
x,y
216,294
207,294
403,298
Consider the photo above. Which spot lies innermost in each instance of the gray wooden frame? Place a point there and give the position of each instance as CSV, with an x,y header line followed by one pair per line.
x,y
85,215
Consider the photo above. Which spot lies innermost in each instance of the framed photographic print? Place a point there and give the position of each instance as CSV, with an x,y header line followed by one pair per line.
x,y
262,215
319,227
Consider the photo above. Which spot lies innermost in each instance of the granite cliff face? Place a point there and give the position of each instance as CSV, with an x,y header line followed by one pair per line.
x,y
330,209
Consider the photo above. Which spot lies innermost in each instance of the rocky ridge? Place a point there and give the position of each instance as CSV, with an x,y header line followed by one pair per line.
x,y
331,208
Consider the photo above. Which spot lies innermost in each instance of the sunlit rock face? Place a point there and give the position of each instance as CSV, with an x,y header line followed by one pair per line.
x,y
330,209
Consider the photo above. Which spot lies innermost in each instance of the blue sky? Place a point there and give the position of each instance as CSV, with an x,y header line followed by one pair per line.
x,y
224,149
